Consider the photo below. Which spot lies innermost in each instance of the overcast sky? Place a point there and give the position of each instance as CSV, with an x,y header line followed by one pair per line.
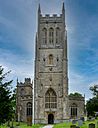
x,y
18,26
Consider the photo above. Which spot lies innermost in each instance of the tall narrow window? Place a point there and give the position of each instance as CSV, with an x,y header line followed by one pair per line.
x,y
51,35
50,99
50,59
44,31
58,35
74,110
29,109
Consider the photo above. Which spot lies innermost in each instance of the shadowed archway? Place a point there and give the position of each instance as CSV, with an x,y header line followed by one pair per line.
x,y
50,119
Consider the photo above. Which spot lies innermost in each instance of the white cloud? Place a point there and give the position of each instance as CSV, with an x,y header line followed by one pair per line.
x,y
20,67
80,82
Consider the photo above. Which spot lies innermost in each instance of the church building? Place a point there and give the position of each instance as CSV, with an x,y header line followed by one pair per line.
x,y
51,101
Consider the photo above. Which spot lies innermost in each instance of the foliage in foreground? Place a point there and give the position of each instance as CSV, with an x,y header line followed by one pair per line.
x,y
6,108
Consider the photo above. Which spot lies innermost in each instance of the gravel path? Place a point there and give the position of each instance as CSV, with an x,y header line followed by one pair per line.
x,y
48,126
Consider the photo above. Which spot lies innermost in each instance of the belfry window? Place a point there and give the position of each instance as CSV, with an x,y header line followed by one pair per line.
x,y
50,99
50,59
58,35
73,110
44,31
29,109
51,35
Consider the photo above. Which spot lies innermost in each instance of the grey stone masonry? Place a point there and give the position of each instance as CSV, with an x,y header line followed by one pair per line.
x,y
23,97
51,72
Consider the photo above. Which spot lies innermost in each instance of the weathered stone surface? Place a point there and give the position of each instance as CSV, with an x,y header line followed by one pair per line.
x,y
51,75
24,96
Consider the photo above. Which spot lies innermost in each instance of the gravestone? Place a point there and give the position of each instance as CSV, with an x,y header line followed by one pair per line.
x,y
72,126
82,118
91,125
80,122
93,118
77,127
85,118
74,121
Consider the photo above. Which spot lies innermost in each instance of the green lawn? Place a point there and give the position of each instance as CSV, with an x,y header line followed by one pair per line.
x,y
62,125
67,125
23,125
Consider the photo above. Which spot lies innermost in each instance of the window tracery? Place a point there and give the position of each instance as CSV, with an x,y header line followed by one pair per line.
x,y
50,99
29,109
51,35
58,35
73,110
44,31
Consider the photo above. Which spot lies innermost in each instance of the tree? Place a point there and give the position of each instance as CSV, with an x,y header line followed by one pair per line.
x,y
13,102
5,97
94,89
76,94
92,104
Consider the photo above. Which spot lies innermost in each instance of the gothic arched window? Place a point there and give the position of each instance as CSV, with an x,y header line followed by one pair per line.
x,y
44,31
29,109
73,110
51,35
50,59
58,35
50,99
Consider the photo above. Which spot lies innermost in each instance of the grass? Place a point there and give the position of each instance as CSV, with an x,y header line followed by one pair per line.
x,y
67,124
62,125
23,125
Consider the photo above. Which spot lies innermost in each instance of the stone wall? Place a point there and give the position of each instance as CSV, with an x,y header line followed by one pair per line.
x,y
24,95
80,103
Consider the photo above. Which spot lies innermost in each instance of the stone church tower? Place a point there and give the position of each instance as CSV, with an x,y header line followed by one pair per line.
x,y
51,71
51,101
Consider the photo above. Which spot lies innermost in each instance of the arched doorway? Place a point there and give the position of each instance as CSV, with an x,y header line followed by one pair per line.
x,y
50,119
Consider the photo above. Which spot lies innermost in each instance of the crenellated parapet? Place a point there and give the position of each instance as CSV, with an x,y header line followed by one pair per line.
x,y
26,82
